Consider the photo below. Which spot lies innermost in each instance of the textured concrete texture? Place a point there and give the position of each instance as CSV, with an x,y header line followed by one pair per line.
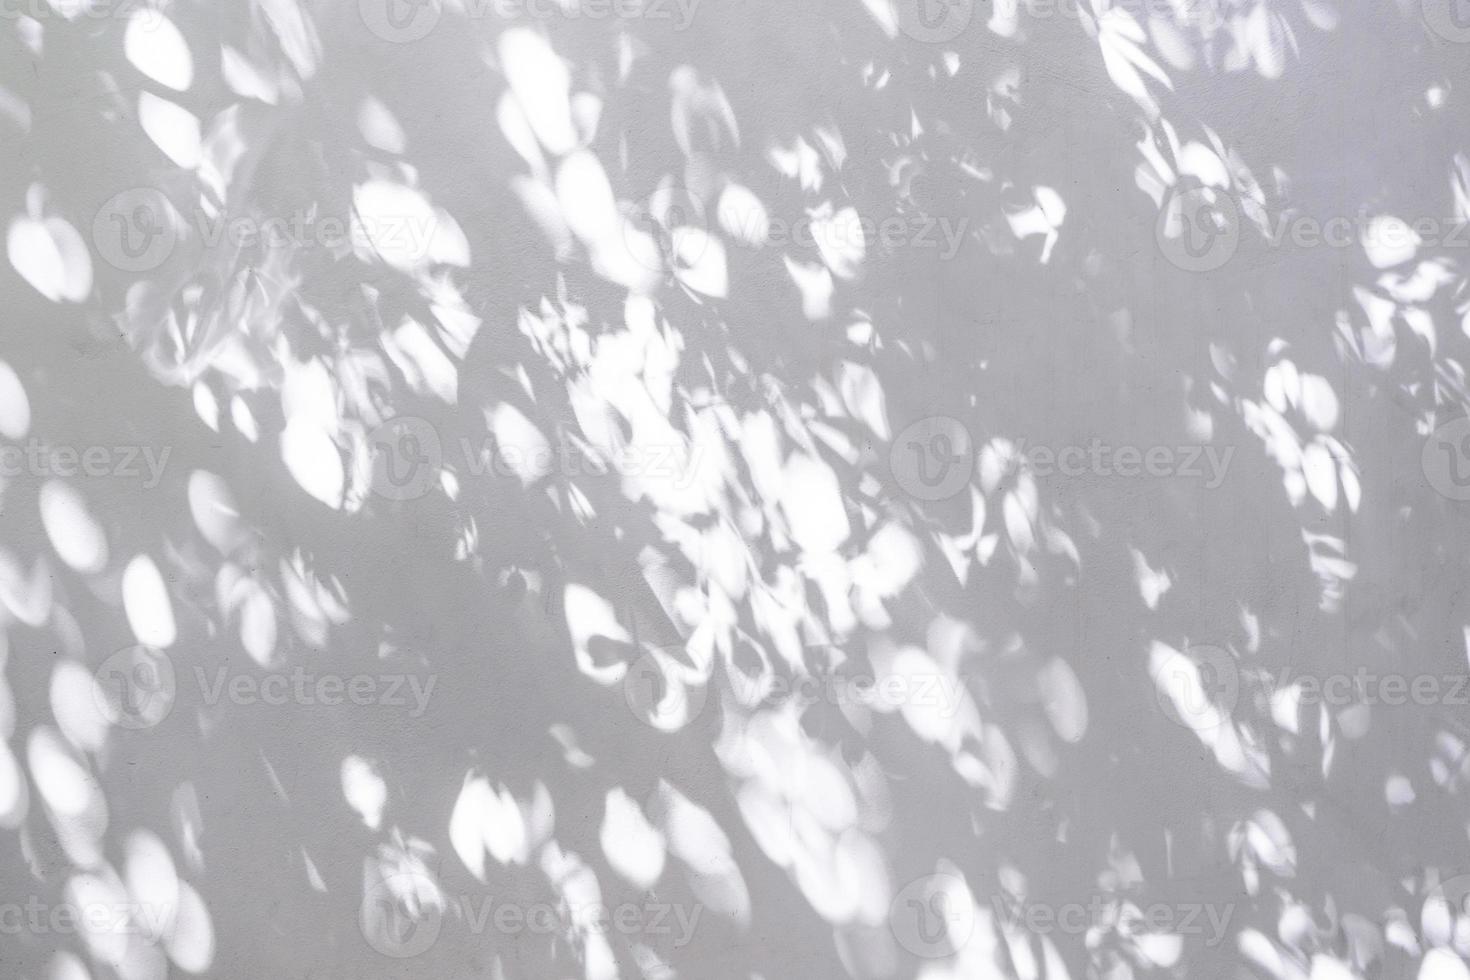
x,y
734,489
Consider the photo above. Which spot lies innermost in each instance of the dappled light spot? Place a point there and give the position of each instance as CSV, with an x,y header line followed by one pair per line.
x,y
577,886
700,114
801,805
1128,64
1042,217
1398,791
1320,471
190,942
814,282
1442,964
14,794
844,879
1389,241
172,128
243,419
467,824
315,604
892,560
1268,842
1319,402
76,705
599,640
103,928
147,604
15,407
61,777
215,512
258,627
742,216
49,254
520,444
26,594
587,201
1203,164
313,460
884,14
75,534
1063,699
206,406
292,28
398,225
812,503
247,79
840,240
516,128
67,966
541,203
188,823
700,261
156,48
1267,40
153,883
938,717
492,821
541,83
695,838
632,845
364,789
1153,583
864,398
427,369
376,123
798,162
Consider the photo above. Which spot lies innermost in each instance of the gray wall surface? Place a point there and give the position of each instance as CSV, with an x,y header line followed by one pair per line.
x,y
734,489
